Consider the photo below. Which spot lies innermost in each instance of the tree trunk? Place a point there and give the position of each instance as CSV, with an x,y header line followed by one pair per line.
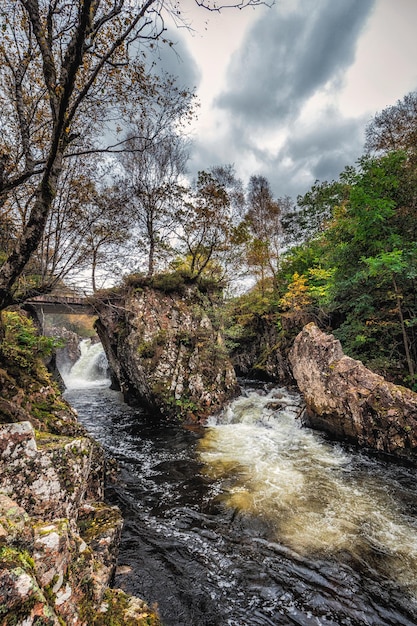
x,y
93,270
151,257
410,363
32,234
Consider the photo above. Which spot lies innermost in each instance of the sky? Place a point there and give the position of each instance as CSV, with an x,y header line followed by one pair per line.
x,y
287,91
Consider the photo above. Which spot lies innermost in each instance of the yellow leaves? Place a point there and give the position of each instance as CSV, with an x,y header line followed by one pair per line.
x,y
297,296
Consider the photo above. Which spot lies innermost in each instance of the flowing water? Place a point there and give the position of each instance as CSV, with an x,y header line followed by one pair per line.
x,y
254,520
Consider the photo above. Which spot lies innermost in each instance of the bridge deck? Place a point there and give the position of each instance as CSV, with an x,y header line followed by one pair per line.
x,y
62,304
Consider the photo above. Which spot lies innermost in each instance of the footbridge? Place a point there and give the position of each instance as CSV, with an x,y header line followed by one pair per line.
x,y
69,305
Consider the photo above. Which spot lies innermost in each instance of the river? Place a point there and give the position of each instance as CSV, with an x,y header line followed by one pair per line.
x,y
254,520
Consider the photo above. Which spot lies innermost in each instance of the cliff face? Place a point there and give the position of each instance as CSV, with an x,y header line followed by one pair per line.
x,y
58,539
349,401
263,353
165,351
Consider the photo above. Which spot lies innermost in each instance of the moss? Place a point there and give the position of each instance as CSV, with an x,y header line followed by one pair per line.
x,y
186,339
22,346
30,395
118,609
45,439
98,522
18,614
15,558
146,349
20,562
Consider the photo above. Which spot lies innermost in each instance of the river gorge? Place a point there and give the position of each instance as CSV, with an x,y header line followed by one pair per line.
x,y
253,519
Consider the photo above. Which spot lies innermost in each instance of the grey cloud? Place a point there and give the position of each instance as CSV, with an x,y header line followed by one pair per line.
x,y
317,153
177,60
320,154
287,57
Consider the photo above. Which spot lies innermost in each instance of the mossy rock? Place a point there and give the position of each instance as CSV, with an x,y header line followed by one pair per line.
x,y
119,609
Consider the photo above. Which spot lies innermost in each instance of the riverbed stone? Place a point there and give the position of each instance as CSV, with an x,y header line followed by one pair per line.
x,y
349,401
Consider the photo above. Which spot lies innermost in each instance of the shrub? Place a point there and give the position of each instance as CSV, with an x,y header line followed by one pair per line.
x,y
21,344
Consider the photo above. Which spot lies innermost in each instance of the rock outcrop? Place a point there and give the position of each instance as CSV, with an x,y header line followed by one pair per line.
x,y
262,352
58,538
70,352
350,402
165,350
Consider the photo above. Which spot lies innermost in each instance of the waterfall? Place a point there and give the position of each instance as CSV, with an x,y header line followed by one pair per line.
x,y
91,369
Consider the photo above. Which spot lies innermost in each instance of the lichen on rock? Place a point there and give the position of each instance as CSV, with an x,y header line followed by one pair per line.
x,y
58,539
166,350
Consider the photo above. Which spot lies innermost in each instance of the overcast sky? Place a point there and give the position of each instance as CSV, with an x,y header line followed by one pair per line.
x,y
287,91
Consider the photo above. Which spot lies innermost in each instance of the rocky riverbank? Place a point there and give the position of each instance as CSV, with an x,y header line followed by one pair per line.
x,y
58,539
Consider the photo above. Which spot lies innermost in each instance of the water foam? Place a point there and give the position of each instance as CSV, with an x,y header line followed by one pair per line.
x,y
91,368
305,486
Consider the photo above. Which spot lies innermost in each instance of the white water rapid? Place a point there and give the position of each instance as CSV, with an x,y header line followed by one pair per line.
x,y
90,370
307,489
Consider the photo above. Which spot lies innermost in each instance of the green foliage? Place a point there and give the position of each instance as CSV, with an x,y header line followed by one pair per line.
x,y
177,280
170,282
315,210
256,303
118,612
21,344
245,314
183,407
360,265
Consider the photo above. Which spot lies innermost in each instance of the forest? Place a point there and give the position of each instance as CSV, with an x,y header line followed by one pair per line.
x,y
94,147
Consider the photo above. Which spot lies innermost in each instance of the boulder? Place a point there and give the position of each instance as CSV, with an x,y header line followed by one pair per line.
x,y
54,471
166,352
349,401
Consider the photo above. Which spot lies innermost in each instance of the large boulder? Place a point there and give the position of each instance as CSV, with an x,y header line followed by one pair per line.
x,y
350,402
166,351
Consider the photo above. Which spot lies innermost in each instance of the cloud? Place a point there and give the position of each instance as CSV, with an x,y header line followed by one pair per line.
x,y
320,152
286,57
316,149
278,113
177,60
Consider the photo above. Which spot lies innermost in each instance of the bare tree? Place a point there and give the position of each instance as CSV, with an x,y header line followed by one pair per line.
x,y
104,228
264,219
204,224
153,166
395,128
62,65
